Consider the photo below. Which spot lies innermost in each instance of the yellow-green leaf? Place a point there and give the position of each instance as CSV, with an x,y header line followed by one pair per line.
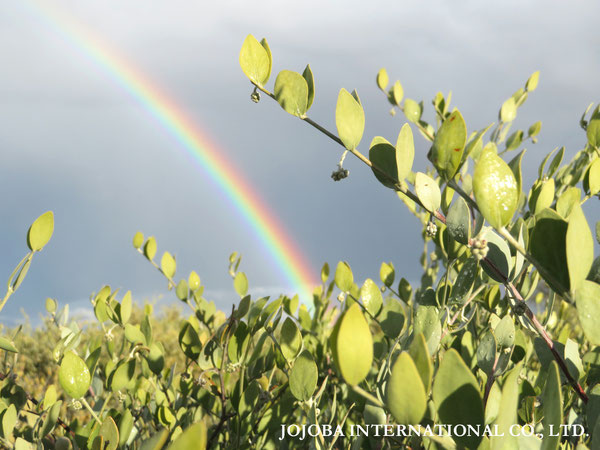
x,y
508,112
40,231
193,438
580,246
405,395
428,192
110,433
344,279
449,144
240,284
138,239
405,152
354,346
457,398
291,92
74,375
304,376
150,248
553,408
495,189
371,297
587,299
291,339
532,82
349,119
168,265
382,79
255,60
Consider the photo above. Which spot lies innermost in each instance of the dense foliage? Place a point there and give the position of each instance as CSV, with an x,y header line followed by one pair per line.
x,y
496,348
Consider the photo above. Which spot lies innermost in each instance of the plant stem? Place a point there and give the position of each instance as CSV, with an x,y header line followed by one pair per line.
x,y
89,408
370,397
543,272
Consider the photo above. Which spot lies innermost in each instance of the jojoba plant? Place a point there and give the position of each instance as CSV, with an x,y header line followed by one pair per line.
x,y
496,347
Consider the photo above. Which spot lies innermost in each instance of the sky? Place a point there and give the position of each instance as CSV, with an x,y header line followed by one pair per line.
x,y
74,141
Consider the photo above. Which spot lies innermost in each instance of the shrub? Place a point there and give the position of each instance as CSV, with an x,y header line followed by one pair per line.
x,y
460,361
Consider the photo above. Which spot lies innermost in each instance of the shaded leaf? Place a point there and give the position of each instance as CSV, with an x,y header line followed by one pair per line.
x,y
303,376
405,395
291,92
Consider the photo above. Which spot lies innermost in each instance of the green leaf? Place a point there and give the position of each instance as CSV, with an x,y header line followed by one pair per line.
x,y
419,353
486,353
507,413
405,394
508,112
412,110
8,345
551,229
51,418
310,82
532,82
240,284
304,376
157,441
428,192
542,197
9,420
193,438
534,129
349,119
155,358
74,375
593,177
50,397
499,255
382,79
383,156
110,433
387,273
255,60
587,299
405,152
495,189
505,332
138,240
514,140
40,231
448,145
150,248
291,92
515,166
189,341
553,408
456,396
567,201
593,131
125,311
397,93
344,279
290,340
371,297
428,323
580,246
353,346
134,335
554,165
392,318
459,221
182,290
122,375
193,281
125,427
465,280
167,265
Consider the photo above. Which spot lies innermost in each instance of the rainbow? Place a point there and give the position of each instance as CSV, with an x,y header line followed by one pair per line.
x,y
196,143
